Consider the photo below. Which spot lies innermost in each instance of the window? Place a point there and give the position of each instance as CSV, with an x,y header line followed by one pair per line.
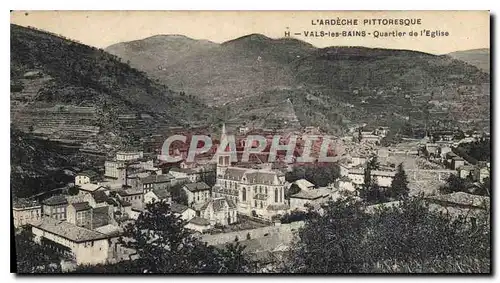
x,y
261,204
266,191
276,195
244,195
281,195
255,190
260,189
255,203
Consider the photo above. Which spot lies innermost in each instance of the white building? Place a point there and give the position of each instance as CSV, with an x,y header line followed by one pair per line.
x,y
197,193
25,212
157,195
305,198
180,173
383,178
84,245
218,211
183,211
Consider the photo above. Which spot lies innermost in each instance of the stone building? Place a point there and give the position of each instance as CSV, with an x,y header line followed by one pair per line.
x,y
25,211
85,246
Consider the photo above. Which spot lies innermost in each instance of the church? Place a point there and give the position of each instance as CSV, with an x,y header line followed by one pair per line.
x,y
256,192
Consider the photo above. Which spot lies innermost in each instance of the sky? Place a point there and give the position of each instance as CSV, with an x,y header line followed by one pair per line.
x,y
466,29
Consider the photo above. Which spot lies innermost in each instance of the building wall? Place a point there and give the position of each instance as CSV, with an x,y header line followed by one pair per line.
x,y
137,200
93,252
23,216
55,211
82,179
224,217
197,197
150,196
188,214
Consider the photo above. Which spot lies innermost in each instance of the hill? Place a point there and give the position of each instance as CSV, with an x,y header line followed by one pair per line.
x,y
330,87
64,90
73,104
476,57
217,73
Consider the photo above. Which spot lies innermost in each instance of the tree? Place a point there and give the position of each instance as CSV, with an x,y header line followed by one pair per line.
x,y
454,184
373,163
320,174
232,259
163,245
399,186
178,194
73,190
32,257
209,177
404,238
293,189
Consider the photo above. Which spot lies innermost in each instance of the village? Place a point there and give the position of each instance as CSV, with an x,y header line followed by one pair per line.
x,y
223,202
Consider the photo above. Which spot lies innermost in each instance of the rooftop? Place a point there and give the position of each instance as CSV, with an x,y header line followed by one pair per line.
x,y
151,179
55,200
80,206
68,231
25,203
90,187
311,194
100,196
161,193
198,186
110,230
178,208
183,170
89,173
199,221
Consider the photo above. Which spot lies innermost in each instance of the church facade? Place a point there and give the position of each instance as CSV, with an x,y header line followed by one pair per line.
x,y
256,192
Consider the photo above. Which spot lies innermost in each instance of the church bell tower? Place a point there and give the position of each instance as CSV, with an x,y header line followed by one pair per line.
x,y
223,158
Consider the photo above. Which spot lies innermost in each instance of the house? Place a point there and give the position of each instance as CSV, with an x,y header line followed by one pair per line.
x,y
157,194
80,214
466,171
198,224
344,183
305,185
156,182
382,177
127,163
305,198
218,211
185,212
344,169
83,245
25,211
188,173
55,207
133,196
457,162
86,177
480,173
89,188
197,192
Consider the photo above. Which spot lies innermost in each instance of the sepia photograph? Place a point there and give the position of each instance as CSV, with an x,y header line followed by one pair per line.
x,y
250,142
